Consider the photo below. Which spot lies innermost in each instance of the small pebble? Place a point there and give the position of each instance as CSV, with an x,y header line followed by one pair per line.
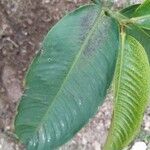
x,y
139,146
97,146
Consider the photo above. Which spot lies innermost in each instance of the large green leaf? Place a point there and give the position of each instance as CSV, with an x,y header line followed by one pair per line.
x,y
132,87
69,78
142,35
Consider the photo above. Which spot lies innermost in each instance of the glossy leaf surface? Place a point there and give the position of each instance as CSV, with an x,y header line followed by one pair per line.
x,y
69,78
132,87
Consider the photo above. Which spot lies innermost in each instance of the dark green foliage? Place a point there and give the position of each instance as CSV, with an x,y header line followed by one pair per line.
x,y
69,77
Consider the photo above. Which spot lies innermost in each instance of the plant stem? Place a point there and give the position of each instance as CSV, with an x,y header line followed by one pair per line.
x,y
115,14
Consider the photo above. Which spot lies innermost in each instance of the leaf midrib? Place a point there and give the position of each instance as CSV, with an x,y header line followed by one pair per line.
x,y
122,37
91,31
117,87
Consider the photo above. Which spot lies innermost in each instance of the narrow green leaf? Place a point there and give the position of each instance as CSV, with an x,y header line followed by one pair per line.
x,y
141,16
132,87
129,11
143,9
69,78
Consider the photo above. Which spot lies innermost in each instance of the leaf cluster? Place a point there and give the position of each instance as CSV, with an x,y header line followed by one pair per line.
x,y
68,79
